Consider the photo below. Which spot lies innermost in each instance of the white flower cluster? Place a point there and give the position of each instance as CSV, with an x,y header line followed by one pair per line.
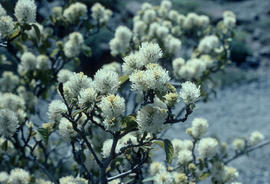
x,y
113,66
12,102
28,63
56,108
224,174
189,92
208,44
100,14
19,176
106,81
199,127
153,78
120,43
8,81
25,11
73,46
72,180
43,62
238,144
75,12
6,26
229,20
182,151
3,12
112,108
8,123
159,171
207,148
64,75
256,137
151,117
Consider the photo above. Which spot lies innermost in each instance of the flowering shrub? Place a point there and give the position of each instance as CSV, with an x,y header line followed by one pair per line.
x,y
104,129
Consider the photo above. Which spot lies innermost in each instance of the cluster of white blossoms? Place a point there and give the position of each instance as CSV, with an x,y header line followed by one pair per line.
x,y
19,176
6,26
100,14
207,148
8,122
189,92
64,75
199,127
9,81
112,107
75,12
25,11
229,20
72,180
3,12
151,117
29,62
256,137
238,144
120,43
56,108
208,44
73,46
183,151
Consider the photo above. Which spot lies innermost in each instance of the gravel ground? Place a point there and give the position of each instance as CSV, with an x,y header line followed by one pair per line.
x,y
237,111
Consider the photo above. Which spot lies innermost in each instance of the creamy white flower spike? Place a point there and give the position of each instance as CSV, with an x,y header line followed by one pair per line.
x,y
156,167
256,137
64,75
8,123
189,92
4,177
28,63
19,176
12,102
56,108
120,43
87,97
112,108
199,127
6,26
238,144
207,148
106,81
72,180
73,46
100,14
66,129
43,62
25,11
184,157
75,12
132,62
8,81
3,12
208,44
163,177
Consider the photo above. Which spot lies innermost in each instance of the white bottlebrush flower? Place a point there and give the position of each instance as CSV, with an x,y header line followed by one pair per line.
x,y
156,167
231,174
8,81
184,157
173,15
56,108
199,127
193,69
177,64
167,4
106,81
75,12
64,75
113,66
153,29
180,178
87,97
3,12
208,44
120,43
6,26
28,63
100,14
149,15
151,117
42,181
29,98
189,92
8,122
173,44
153,78
255,138
43,62
171,99
229,19
207,148
73,46
146,6
3,175
132,62
66,129
25,11
123,33
238,144
57,12
77,82
72,180
191,21
139,28
180,145
19,176
203,21
12,102
163,178
112,108
162,32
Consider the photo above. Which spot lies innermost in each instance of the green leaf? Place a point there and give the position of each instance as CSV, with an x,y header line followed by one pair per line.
x,y
24,37
129,123
123,79
204,176
14,34
37,31
44,134
27,27
148,179
54,52
168,148
5,145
